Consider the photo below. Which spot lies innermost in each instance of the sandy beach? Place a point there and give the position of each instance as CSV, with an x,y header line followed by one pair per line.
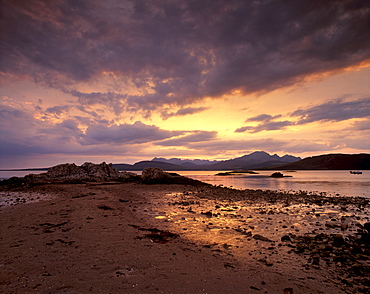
x,y
137,238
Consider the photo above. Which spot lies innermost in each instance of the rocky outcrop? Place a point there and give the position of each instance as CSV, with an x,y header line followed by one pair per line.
x,y
72,173
154,175
103,172
87,171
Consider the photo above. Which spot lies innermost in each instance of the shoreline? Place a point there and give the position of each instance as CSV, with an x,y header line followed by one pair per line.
x,y
162,239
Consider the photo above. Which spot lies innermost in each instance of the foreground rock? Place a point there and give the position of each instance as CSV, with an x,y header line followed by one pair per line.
x,y
71,173
152,175
103,172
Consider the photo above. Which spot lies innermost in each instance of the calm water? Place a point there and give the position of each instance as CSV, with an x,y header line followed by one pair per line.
x,y
331,182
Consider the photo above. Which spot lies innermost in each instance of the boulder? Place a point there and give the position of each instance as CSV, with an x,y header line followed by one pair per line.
x,y
154,175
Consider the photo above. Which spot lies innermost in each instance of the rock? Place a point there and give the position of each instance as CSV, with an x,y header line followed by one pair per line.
x,y
70,172
154,175
344,226
338,238
365,238
262,238
367,227
207,214
285,238
277,175
87,171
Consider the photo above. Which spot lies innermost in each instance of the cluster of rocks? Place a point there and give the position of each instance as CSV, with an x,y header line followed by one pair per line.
x,y
350,254
103,172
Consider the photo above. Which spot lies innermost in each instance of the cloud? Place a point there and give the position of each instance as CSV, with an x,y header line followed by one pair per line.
x,y
189,139
178,52
58,110
182,112
337,110
363,125
22,134
266,126
263,117
136,133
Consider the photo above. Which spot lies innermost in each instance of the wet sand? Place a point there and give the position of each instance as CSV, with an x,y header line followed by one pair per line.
x,y
134,238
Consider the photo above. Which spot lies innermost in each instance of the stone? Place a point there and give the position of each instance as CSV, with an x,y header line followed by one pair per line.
x,y
262,238
154,175
338,238
285,238
277,175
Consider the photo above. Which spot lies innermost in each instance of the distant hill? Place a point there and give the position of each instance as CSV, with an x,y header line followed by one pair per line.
x,y
254,160
144,164
329,161
258,159
186,162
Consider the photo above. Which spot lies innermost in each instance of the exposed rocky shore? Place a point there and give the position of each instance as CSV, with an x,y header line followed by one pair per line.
x,y
90,172
91,228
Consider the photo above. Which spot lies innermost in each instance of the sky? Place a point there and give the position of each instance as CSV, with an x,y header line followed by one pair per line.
x,y
127,80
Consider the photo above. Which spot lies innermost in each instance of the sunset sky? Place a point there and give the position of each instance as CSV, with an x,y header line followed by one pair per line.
x,y
122,81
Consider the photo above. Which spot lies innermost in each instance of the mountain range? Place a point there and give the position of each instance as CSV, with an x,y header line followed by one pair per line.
x,y
253,161
329,162
258,159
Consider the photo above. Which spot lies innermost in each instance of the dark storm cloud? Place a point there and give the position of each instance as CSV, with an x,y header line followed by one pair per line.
x,y
182,51
337,110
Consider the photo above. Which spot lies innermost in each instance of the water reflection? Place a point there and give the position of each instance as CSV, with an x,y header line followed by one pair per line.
x,y
249,230
330,182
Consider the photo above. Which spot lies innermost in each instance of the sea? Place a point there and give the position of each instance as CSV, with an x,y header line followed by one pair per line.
x,y
325,182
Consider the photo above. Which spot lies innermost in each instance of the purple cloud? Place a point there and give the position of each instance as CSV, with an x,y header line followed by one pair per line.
x,y
178,52
189,139
136,133
336,110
